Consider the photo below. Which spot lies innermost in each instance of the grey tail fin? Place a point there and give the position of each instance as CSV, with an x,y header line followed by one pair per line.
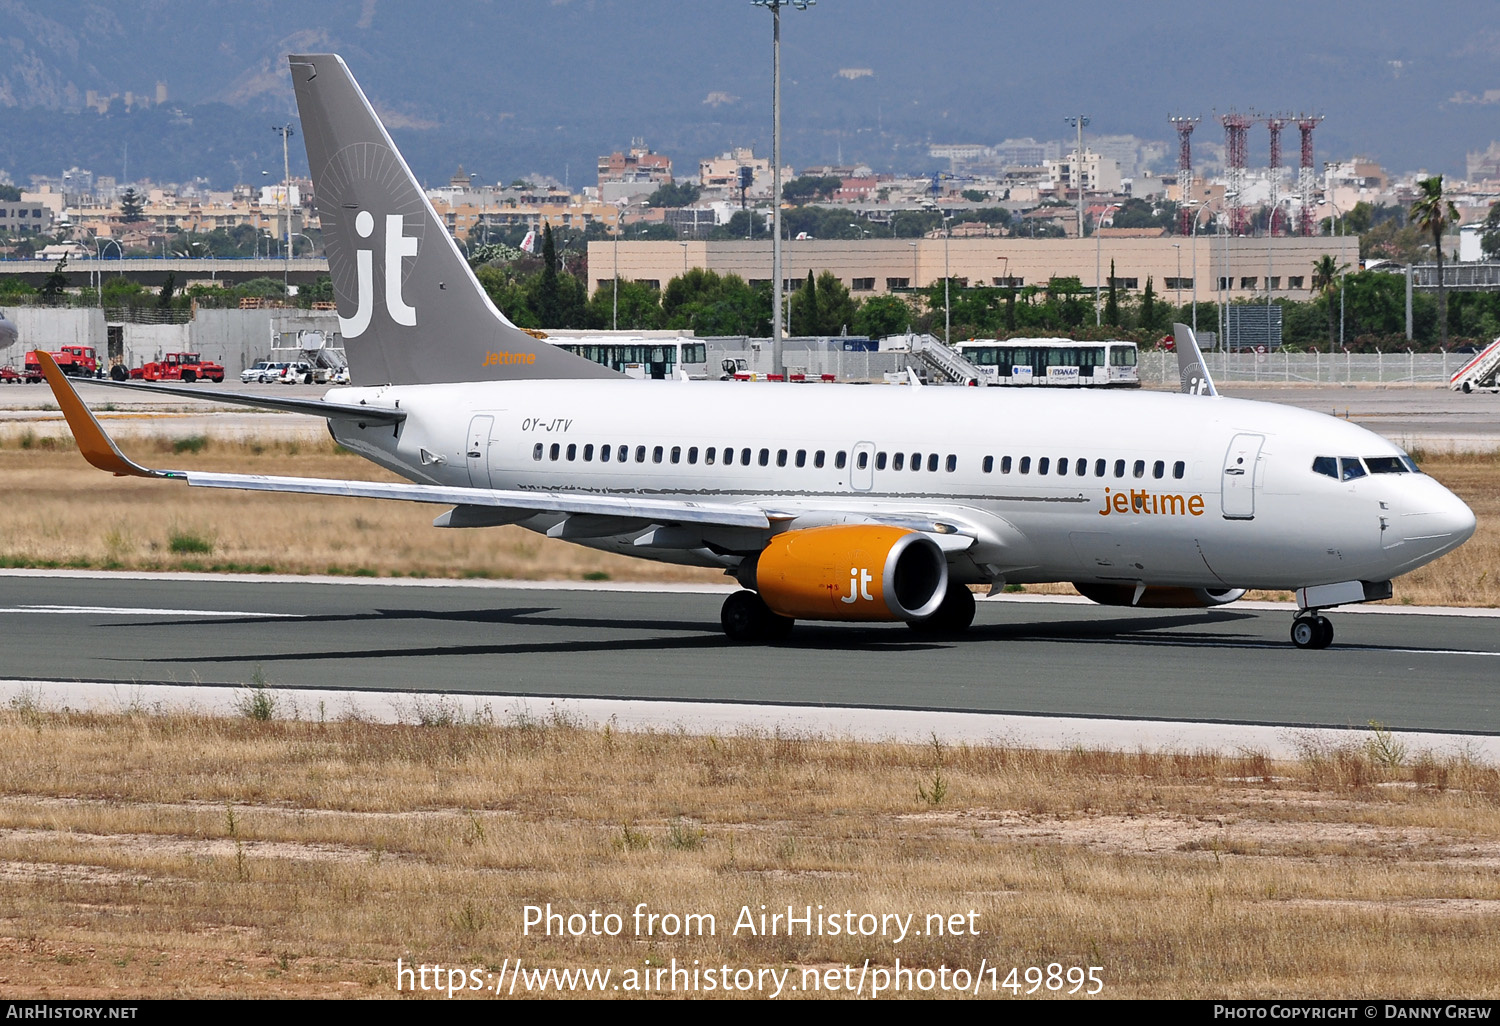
x,y
1190,365
411,311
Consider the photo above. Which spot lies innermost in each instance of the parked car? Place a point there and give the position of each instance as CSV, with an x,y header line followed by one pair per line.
x,y
255,373
299,373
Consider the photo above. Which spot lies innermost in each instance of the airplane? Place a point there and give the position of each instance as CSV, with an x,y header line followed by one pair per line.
x,y
837,502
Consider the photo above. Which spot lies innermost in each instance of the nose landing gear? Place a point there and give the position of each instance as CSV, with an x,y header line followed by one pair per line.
x,y
1312,631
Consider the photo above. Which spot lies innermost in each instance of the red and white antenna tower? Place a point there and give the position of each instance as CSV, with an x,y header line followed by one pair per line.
x,y
1185,126
1275,122
1236,127
1305,177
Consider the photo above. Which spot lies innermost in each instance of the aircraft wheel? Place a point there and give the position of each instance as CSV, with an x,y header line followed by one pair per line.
x,y
952,618
747,618
1313,632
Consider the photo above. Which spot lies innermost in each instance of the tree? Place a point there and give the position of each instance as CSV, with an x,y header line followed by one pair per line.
x,y
805,319
639,307
672,194
1112,302
1433,212
1490,240
1149,307
808,187
556,298
56,284
132,207
168,290
836,308
1325,281
10,194
880,316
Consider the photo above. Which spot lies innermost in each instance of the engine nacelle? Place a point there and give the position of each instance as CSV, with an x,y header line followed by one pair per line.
x,y
1159,597
853,572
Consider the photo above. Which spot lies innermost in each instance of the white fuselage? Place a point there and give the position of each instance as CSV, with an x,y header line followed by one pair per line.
x,y
1194,491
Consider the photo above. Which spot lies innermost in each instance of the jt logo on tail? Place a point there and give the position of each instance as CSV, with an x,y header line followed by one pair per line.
x,y
398,245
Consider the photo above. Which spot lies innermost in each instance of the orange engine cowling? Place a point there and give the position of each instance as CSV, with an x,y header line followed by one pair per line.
x,y
1159,597
852,572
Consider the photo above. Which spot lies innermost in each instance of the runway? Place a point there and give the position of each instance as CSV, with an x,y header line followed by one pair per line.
x,y
1431,672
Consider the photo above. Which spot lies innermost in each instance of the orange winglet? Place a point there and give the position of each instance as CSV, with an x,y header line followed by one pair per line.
x,y
97,447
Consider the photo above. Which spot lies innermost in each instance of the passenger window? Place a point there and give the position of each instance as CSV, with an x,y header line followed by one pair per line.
x,y
932,461
952,463
916,461
864,460
1327,466
692,454
781,457
1025,464
1159,469
1005,464
603,454
1351,468
640,454
745,457
1099,468
572,452
765,457
1042,465
728,456
536,453
839,459
709,455
801,457
622,454
988,465
1119,468
588,454
1140,468
818,459
1179,469
880,461
656,454
676,454
1062,467
898,461
556,450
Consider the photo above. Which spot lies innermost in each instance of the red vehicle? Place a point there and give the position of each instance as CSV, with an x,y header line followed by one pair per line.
x,y
180,367
9,376
74,361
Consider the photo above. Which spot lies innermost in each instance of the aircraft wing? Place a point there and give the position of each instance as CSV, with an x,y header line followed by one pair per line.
x,y
508,505
312,407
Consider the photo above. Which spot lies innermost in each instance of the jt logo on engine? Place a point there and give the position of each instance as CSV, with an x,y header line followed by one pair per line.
x,y
398,245
859,587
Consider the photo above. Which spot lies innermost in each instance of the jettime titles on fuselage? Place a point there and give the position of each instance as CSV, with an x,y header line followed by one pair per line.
x,y
1151,504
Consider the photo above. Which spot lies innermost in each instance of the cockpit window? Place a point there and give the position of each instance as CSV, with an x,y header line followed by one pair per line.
x,y
1411,464
1351,468
1385,464
1327,466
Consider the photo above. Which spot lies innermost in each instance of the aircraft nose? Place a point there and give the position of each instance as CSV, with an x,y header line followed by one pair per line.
x,y
1446,520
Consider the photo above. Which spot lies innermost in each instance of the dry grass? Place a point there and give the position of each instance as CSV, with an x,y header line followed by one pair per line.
x,y
175,855
138,524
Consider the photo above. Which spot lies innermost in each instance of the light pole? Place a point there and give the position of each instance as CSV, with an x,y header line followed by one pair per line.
x,y
947,278
775,6
1078,121
614,316
1178,247
286,132
1196,216
913,246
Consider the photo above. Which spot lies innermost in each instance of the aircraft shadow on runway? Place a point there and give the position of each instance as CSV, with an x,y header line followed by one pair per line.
x,y
823,637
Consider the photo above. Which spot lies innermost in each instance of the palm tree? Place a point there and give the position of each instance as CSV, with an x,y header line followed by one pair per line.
x,y
1433,212
1325,279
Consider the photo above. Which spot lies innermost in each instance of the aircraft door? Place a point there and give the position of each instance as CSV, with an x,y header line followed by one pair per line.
x,y
1240,471
862,466
477,451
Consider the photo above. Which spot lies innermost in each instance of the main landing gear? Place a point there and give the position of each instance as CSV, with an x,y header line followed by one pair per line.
x,y
746,617
1312,630
952,618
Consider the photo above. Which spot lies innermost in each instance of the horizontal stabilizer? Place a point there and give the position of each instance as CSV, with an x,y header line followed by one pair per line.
x,y
284,404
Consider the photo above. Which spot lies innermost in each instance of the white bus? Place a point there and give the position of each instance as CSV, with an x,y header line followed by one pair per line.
x,y
648,358
1054,361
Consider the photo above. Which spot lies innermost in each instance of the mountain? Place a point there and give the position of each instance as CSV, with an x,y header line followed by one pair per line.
x,y
512,87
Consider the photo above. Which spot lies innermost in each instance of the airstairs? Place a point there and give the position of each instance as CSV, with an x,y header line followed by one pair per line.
x,y
1480,372
943,361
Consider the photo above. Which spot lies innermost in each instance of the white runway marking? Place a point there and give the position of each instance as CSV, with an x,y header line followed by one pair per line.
x,y
138,611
